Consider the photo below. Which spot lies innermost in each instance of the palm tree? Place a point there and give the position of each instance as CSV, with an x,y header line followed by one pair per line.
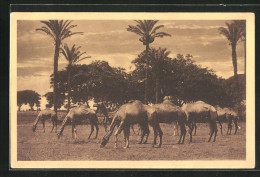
x,y
242,25
233,33
158,60
148,32
73,56
58,30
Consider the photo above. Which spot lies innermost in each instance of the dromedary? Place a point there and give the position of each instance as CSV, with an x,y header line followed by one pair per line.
x,y
167,112
201,109
107,115
226,114
77,114
132,113
44,115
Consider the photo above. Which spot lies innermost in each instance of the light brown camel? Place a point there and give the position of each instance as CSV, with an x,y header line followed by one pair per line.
x,y
77,114
132,113
107,115
44,115
167,112
201,109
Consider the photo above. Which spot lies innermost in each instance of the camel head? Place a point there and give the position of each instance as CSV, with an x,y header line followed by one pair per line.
x,y
104,142
34,128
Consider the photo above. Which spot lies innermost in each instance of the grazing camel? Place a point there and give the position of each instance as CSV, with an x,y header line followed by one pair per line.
x,y
79,113
167,112
200,109
44,115
107,120
131,113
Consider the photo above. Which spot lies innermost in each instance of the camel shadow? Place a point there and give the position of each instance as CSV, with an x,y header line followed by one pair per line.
x,y
81,142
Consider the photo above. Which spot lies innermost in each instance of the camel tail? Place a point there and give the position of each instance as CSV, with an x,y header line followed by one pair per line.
x,y
65,120
36,121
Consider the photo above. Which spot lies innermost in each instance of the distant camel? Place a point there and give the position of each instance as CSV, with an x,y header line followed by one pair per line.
x,y
226,114
167,112
132,113
80,113
232,117
44,115
201,109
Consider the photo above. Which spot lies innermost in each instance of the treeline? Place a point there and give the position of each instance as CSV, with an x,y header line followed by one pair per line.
x,y
179,78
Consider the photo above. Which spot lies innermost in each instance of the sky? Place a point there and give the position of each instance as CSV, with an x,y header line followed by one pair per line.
x,y
110,41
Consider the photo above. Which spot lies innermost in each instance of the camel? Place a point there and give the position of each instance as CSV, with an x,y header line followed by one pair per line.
x,y
201,109
101,107
76,114
167,112
226,114
44,115
232,117
134,112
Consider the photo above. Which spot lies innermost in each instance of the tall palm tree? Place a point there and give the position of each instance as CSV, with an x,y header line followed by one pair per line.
x,y
73,56
242,25
233,33
158,60
148,32
58,30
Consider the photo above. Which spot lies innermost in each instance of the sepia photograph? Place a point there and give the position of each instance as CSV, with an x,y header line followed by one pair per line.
x,y
132,90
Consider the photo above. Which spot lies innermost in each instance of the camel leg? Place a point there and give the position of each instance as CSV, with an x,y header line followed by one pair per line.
x,y
127,133
75,132
190,130
72,131
155,136
195,131
97,129
216,132
236,127
147,132
211,132
133,128
92,129
184,134
52,126
177,127
220,124
116,141
43,125
160,135
142,133
56,124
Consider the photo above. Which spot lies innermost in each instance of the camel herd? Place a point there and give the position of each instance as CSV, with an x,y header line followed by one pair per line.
x,y
135,112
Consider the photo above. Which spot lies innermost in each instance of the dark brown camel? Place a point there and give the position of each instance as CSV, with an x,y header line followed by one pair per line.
x,y
200,109
167,112
77,114
132,113
44,115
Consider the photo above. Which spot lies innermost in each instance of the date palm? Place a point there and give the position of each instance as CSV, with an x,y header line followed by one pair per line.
x,y
58,30
148,32
73,56
233,33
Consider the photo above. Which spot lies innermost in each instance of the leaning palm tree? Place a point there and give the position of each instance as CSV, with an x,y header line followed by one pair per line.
x,y
73,56
242,25
158,63
148,32
233,33
58,30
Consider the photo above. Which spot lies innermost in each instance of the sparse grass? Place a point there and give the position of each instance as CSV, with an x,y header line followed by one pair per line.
x,y
46,146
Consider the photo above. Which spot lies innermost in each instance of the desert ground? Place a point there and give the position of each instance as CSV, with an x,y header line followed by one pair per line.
x,y
39,146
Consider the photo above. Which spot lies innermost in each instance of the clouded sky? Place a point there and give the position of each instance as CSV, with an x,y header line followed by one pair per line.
x,y
109,40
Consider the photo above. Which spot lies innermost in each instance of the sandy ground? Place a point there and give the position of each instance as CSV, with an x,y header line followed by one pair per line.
x,y
41,146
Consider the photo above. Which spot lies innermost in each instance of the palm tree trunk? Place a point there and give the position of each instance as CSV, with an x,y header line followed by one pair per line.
x,y
245,55
69,87
157,89
56,57
146,75
234,60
